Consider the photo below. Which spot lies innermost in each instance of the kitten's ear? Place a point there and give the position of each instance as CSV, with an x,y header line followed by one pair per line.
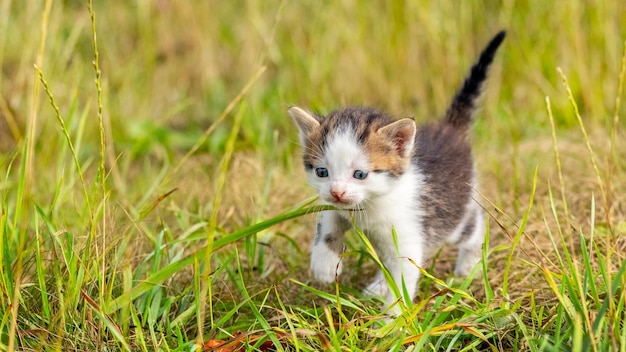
x,y
402,133
305,122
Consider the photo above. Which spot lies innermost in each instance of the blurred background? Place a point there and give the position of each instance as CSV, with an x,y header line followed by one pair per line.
x,y
170,68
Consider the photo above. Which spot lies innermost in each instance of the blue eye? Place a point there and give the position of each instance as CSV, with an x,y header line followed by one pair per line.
x,y
321,172
360,174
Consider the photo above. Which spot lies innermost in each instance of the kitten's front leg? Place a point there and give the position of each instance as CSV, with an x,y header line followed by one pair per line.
x,y
328,246
404,267
378,286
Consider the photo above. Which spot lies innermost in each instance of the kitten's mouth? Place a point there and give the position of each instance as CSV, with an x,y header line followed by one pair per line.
x,y
343,204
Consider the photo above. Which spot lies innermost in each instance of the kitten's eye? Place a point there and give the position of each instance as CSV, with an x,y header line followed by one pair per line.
x,y
308,166
360,174
321,172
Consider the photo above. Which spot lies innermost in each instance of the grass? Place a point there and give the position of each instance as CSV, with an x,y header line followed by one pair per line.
x,y
152,197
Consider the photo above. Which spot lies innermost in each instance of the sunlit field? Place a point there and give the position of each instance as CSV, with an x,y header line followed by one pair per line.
x,y
152,195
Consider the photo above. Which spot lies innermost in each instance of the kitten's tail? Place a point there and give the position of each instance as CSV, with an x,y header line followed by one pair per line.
x,y
460,111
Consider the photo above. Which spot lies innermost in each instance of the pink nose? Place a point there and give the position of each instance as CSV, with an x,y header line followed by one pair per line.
x,y
337,194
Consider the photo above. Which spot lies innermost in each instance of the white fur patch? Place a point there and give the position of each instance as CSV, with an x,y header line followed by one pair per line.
x,y
342,157
325,263
394,207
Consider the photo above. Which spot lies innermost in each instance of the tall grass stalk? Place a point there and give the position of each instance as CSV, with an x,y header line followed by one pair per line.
x,y
557,159
205,281
588,317
102,169
518,236
68,139
592,157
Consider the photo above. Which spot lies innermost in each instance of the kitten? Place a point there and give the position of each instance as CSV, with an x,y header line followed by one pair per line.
x,y
387,175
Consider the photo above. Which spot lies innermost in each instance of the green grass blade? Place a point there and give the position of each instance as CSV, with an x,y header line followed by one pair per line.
x,y
518,236
175,267
107,321
42,273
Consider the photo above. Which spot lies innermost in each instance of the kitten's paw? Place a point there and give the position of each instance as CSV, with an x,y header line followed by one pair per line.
x,y
325,263
378,287
466,261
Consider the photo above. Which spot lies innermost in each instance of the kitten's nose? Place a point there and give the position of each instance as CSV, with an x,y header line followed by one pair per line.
x,y
337,194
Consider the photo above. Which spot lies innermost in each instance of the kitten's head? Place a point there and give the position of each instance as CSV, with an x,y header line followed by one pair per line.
x,y
355,154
